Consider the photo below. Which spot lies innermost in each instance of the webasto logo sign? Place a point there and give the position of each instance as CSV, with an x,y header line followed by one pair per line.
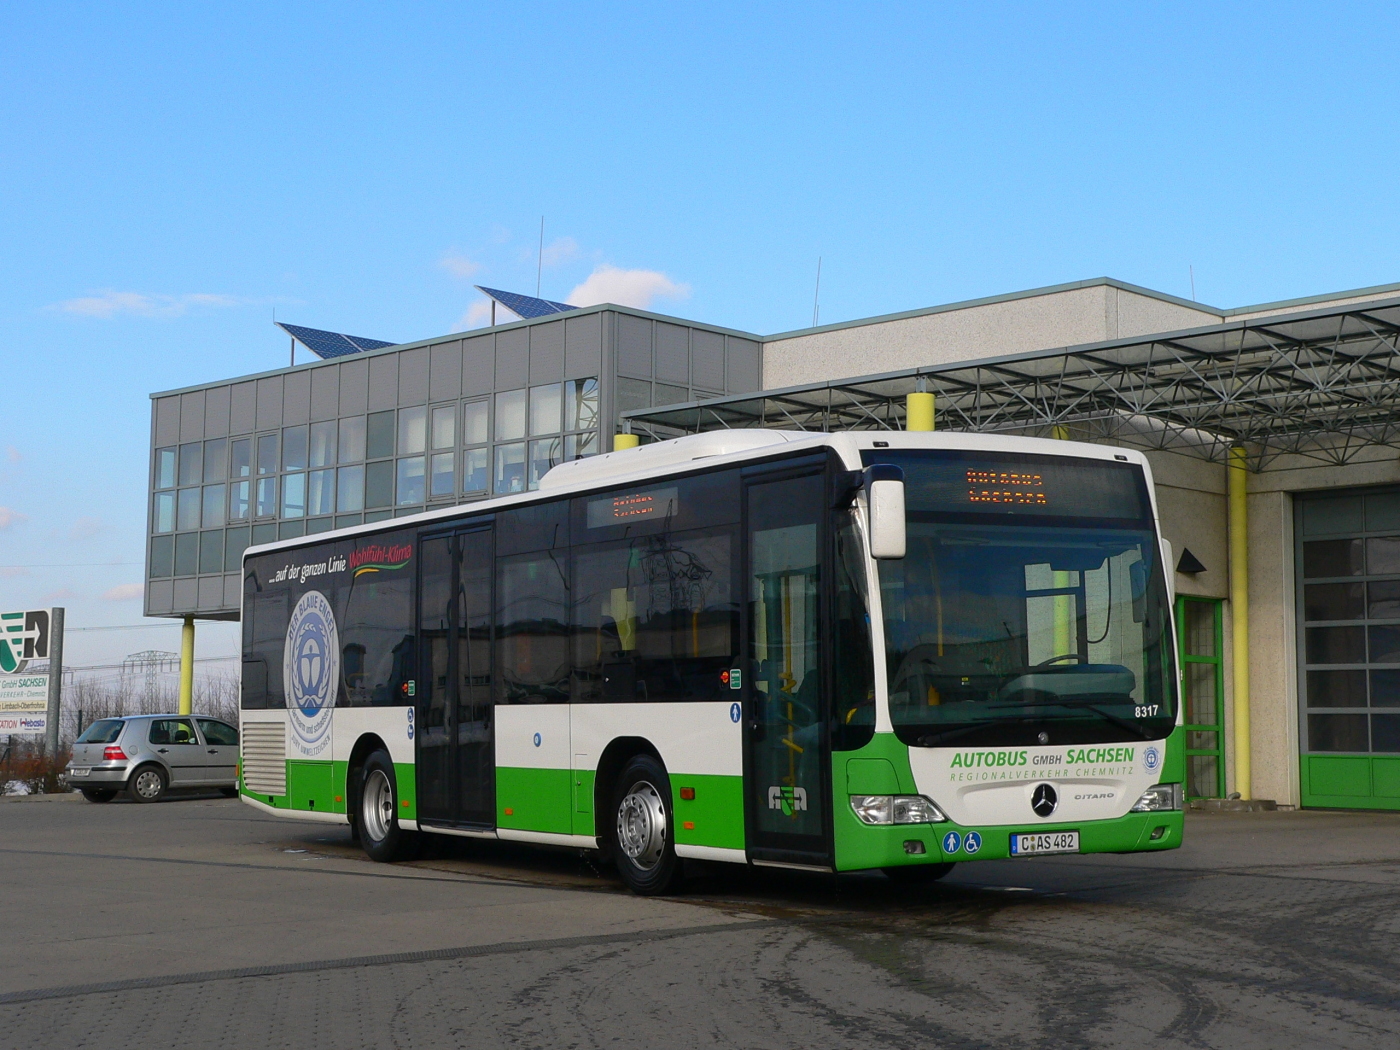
x,y
311,672
1033,764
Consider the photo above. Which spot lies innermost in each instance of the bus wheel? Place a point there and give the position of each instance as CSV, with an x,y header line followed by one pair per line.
x,y
643,840
377,820
911,874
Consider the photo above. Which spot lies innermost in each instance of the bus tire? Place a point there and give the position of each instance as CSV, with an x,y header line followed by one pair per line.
x,y
912,874
642,829
377,819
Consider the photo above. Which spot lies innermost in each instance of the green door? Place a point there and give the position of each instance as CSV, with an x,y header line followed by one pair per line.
x,y
1199,640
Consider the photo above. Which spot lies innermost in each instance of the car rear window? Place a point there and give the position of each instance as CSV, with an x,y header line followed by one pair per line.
x,y
103,731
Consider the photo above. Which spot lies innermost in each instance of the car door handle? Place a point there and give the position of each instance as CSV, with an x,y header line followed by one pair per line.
x,y
213,751
163,750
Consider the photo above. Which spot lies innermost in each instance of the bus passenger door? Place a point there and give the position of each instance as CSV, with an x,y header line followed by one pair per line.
x,y
786,761
455,768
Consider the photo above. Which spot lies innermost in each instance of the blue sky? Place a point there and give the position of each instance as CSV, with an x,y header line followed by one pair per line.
x,y
174,174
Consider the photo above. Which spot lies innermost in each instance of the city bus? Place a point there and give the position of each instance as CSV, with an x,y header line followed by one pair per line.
x,y
827,652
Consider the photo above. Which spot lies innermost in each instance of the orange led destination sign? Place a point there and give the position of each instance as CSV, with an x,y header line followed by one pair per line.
x,y
1004,486
632,506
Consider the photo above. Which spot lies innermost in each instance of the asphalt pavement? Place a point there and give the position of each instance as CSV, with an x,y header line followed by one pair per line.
x,y
198,922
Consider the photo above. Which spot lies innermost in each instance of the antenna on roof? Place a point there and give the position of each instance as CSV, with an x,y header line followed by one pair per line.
x,y
817,295
1193,282
539,270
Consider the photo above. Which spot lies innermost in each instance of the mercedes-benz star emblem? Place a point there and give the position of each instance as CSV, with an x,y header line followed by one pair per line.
x,y
1044,800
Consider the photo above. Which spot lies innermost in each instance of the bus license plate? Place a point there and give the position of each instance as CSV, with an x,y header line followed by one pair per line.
x,y
1039,843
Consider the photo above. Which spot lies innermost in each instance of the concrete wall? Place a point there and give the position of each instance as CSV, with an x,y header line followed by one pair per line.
x,y
964,332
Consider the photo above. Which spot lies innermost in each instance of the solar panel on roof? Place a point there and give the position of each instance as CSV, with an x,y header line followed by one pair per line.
x,y
330,344
526,306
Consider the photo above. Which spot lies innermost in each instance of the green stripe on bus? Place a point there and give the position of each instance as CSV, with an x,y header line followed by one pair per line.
x,y
715,816
534,800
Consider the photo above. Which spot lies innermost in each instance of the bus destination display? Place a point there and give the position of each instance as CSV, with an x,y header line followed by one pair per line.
x,y
632,506
1003,486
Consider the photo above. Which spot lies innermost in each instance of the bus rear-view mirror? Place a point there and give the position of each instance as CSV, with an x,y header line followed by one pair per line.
x,y
884,495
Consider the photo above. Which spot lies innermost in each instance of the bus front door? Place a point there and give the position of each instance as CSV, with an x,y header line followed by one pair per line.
x,y
456,765
786,741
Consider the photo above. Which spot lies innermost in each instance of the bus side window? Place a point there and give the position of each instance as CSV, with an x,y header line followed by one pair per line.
x,y
532,628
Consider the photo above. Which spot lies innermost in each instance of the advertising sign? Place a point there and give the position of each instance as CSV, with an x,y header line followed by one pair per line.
x,y
25,698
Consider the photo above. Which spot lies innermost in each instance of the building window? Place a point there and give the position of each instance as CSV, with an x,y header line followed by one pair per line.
x,y
510,468
165,468
476,470
163,512
379,435
238,501
379,484
544,453
187,510
410,480
294,448
475,423
321,493
510,415
350,489
352,439
162,556
293,495
191,463
240,458
544,409
213,514
444,427
215,460
211,551
581,404
323,441
267,454
444,476
412,430
267,497
186,554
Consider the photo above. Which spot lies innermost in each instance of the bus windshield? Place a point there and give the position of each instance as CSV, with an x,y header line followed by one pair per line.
x,y
1021,629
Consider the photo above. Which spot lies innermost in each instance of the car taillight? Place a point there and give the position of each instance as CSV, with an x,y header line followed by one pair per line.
x,y
113,753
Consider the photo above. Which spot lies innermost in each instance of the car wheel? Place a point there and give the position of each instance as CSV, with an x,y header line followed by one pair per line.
x,y
910,874
377,819
147,784
642,832
229,792
99,794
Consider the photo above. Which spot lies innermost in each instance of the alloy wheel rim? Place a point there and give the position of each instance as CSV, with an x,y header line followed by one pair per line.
x,y
641,825
148,784
378,807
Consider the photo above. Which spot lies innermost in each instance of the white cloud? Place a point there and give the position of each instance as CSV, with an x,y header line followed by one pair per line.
x,y
561,250
12,454
10,571
85,529
110,303
63,594
458,265
639,288
124,592
10,517
478,315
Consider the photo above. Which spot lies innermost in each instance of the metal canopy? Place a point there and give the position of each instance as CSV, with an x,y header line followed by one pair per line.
x,y
1323,384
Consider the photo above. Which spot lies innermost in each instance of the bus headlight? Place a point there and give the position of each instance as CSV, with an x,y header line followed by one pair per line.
x,y
896,809
1158,798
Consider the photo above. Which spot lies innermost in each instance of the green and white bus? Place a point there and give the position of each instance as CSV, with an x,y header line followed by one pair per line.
x,y
829,652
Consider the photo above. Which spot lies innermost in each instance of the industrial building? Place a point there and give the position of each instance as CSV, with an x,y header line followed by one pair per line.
x,y
1272,430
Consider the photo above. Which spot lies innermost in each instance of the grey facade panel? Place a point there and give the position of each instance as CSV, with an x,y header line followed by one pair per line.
x,y
192,416
233,591
741,366
672,354
631,394
243,413
325,392
216,403
583,347
547,352
269,403
634,346
296,398
478,365
159,597
413,376
167,428
512,359
706,359
383,382
185,596
445,371
211,593
354,388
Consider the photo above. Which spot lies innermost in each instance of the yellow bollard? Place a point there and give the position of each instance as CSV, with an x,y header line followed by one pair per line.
x,y
187,666
918,411
1238,488
624,441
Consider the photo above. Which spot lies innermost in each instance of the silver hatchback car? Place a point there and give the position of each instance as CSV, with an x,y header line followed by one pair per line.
x,y
148,755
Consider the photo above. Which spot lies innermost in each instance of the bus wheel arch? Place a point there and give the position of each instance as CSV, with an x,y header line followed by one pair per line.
x,y
617,754
354,775
638,824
